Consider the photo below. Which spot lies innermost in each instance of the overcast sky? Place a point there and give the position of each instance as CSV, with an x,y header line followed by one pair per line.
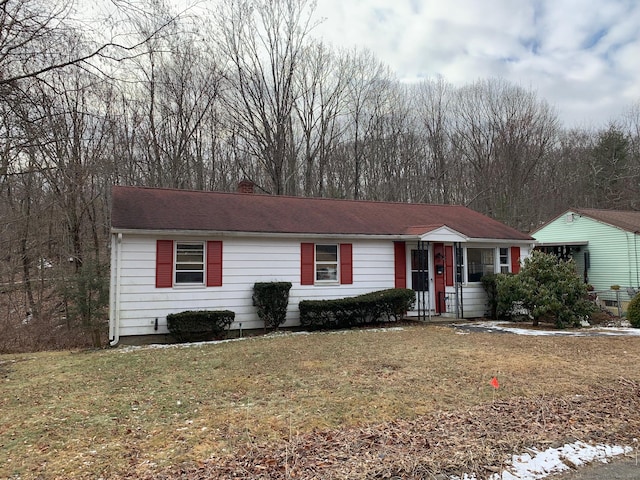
x,y
582,56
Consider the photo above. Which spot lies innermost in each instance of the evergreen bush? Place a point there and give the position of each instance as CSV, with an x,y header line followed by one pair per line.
x,y
380,306
86,297
633,311
272,299
197,325
489,283
546,287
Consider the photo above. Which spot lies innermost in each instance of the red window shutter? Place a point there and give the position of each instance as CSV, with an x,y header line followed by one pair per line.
x,y
400,264
515,259
214,264
164,263
346,263
307,263
448,265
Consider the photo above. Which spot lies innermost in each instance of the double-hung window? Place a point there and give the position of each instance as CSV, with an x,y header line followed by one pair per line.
x,y
504,260
188,263
326,263
189,269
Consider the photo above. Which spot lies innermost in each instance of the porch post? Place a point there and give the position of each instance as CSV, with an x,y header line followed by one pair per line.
x,y
459,254
423,297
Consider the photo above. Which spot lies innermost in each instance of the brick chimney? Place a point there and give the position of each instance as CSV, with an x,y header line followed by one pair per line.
x,y
245,186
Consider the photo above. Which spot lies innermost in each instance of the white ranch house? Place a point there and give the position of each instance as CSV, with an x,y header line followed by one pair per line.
x,y
176,250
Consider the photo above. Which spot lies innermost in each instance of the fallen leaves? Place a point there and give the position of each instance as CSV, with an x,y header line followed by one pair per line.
x,y
476,441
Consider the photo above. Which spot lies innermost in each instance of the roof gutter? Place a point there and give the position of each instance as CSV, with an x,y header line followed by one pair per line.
x,y
232,234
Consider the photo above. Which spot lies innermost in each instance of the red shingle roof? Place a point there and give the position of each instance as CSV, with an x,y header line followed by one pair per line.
x,y
140,208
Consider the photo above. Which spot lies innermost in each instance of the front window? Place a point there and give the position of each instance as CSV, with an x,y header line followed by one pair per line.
x,y
327,263
189,263
480,262
504,260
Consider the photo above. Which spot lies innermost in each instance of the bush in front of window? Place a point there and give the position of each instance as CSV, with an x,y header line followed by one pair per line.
x,y
272,299
198,325
547,288
375,307
489,283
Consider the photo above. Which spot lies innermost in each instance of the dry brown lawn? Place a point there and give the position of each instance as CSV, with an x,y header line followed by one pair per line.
x,y
410,402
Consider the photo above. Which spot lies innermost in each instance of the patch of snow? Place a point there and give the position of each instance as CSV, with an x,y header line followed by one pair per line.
x,y
504,327
540,464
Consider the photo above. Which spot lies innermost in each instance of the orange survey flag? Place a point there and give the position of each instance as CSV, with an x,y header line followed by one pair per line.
x,y
494,382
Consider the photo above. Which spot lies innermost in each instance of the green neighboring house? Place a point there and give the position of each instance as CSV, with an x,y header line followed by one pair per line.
x,y
605,245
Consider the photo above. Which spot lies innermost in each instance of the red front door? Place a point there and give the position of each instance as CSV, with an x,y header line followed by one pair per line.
x,y
439,277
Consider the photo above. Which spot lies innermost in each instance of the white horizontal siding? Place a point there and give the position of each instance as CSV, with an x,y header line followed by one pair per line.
x,y
245,262
474,301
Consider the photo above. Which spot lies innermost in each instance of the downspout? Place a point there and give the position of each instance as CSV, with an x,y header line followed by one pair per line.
x,y
114,292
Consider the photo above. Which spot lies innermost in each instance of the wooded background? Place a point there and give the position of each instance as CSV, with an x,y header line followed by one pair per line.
x,y
232,90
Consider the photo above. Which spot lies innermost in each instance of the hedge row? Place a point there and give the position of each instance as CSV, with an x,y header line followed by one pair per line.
x,y
380,306
272,298
193,325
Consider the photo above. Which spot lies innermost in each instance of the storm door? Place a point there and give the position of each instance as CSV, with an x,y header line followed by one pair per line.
x,y
420,278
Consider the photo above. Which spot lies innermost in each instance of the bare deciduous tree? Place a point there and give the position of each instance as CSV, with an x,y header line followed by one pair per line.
x,y
321,84
503,133
40,36
263,42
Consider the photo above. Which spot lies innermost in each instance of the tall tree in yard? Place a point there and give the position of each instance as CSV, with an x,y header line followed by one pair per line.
x,y
180,93
69,142
54,167
503,133
433,102
611,168
321,83
368,79
262,43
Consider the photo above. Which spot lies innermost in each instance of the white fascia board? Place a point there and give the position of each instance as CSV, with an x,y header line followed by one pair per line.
x,y
223,233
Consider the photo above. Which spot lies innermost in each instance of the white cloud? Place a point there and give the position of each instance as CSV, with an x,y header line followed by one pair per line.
x,y
580,56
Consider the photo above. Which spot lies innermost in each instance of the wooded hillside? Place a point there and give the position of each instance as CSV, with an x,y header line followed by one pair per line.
x,y
233,90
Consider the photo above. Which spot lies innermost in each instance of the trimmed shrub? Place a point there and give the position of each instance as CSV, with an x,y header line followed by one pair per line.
x,y
199,325
633,311
381,306
272,299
